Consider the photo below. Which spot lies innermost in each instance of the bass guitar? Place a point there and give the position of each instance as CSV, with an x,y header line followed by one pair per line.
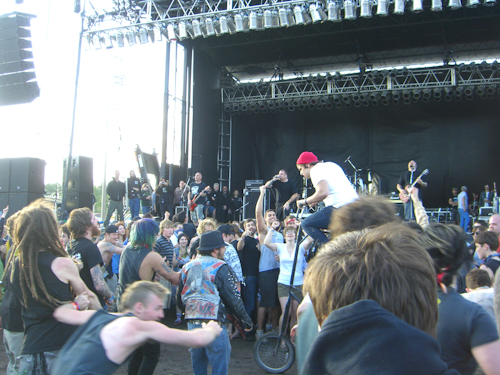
x,y
192,203
404,196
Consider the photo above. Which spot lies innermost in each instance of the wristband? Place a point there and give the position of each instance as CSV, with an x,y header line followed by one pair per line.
x,y
77,306
111,299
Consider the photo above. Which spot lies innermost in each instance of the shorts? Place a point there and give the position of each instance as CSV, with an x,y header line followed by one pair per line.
x,y
36,364
283,291
268,285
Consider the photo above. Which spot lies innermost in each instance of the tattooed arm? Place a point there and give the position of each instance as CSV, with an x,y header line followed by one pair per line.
x,y
161,268
99,284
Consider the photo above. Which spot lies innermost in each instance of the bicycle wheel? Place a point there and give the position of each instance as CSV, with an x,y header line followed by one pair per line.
x,y
273,356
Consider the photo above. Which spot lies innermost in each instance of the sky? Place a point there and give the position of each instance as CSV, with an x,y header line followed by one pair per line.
x,y
111,118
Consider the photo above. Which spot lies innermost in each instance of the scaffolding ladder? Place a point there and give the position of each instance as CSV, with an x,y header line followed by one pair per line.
x,y
224,149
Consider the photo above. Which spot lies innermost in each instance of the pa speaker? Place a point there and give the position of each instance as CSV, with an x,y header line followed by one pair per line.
x,y
79,200
17,201
17,75
81,175
27,175
250,197
4,175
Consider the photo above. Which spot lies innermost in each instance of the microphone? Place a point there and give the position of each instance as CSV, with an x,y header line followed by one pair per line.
x,y
346,160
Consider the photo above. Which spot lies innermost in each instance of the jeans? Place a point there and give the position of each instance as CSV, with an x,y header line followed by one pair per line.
x,y
464,219
145,209
249,293
409,210
144,360
114,205
197,214
36,364
217,353
13,342
319,220
134,205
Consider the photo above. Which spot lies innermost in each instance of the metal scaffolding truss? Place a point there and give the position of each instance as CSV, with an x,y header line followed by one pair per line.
x,y
325,90
220,17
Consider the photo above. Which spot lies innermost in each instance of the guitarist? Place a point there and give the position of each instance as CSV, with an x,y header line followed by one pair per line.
x,y
404,183
197,192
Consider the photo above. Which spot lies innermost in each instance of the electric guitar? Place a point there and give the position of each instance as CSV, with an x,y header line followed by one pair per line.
x,y
192,203
405,197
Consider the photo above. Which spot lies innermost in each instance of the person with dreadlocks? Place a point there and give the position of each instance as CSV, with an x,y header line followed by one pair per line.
x,y
466,332
43,277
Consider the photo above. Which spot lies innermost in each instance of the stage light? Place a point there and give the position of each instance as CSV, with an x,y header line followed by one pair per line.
x,y
317,13
417,6
494,65
131,38
480,90
357,104
120,39
399,6
241,22
304,102
297,12
437,92
171,32
227,108
196,29
436,5
373,96
426,95
458,92
472,3
455,4
334,11
96,41
256,20
366,8
209,27
143,36
469,97
406,94
469,90
337,99
183,30
107,41
295,102
350,9
221,26
489,3
301,107
491,89
283,17
346,98
383,8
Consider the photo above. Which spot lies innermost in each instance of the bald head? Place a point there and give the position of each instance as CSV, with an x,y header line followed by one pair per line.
x,y
495,224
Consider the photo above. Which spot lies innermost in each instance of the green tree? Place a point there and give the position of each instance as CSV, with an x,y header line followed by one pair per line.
x,y
98,198
53,188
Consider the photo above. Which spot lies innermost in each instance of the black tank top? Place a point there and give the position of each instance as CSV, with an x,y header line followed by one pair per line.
x,y
130,262
84,353
42,333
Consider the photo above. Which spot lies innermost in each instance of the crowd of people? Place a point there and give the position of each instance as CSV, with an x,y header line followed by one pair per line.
x,y
378,295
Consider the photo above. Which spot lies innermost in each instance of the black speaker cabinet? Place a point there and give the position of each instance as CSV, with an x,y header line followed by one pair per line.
x,y
4,175
81,175
17,201
79,200
250,197
4,200
27,175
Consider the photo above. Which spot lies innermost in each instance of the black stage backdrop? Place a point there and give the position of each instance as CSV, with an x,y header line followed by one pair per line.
x,y
457,141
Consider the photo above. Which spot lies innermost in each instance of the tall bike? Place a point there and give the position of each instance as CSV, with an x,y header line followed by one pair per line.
x,y
273,351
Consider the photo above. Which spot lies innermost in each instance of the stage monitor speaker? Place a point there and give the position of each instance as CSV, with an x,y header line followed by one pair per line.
x,y
17,201
250,197
79,200
17,75
81,175
27,175
4,200
4,175
179,209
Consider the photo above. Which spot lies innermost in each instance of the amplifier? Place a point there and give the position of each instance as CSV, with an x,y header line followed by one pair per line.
x,y
252,184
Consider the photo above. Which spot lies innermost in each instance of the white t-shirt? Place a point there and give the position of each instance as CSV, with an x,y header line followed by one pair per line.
x,y
286,264
459,199
340,189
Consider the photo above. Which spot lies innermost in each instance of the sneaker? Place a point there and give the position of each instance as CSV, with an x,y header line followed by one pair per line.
x,y
258,333
269,327
177,321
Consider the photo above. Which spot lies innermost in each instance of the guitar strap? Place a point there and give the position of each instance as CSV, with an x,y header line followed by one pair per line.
x,y
411,177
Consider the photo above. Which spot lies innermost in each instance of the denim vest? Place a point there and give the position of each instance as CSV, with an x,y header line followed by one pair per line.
x,y
200,294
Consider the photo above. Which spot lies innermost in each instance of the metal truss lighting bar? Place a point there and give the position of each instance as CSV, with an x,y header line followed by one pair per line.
x,y
208,17
386,86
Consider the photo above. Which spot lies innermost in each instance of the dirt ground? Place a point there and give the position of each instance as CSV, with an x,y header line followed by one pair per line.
x,y
175,360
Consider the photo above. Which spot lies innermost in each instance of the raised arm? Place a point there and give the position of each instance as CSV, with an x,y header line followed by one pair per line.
x,y
259,206
268,241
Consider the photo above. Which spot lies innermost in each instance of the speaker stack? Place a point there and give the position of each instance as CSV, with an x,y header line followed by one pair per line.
x,y
21,182
80,183
251,195
17,75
